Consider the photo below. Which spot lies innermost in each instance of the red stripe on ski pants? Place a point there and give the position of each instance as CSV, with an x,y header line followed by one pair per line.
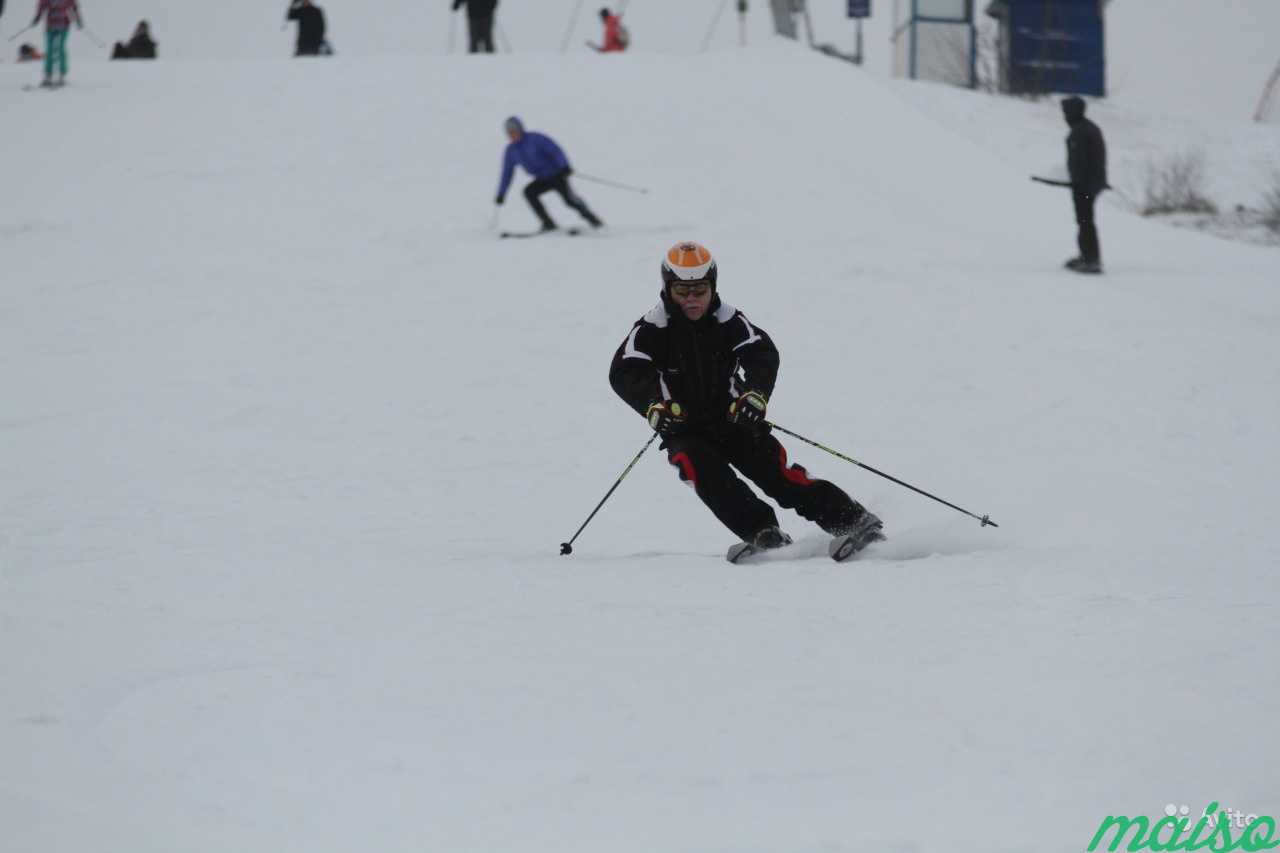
x,y
709,458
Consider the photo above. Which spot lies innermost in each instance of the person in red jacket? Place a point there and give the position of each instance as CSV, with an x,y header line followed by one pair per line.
x,y
616,38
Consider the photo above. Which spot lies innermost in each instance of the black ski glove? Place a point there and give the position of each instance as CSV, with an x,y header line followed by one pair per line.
x,y
500,199
665,416
748,410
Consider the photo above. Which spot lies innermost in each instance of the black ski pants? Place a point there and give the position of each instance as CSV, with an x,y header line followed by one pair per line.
x,y
481,29
1087,231
559,183
706,461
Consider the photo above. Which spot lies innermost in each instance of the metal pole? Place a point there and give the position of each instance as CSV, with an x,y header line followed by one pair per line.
x,y
567,547
858,55
21,31
985,519
706,41
609,183
568,33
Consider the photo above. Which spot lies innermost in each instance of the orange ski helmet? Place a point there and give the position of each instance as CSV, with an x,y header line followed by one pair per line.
x,y
688,262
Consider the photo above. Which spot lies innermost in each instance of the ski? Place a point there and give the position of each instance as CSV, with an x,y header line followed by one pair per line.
x,y
522,235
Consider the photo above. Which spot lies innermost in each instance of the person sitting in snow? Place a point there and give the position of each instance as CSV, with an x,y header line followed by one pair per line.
x,y
701,374
139,46
543,158
616,37
28,53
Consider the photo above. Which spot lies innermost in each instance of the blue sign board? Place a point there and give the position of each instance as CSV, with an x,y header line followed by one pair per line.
x,y
859,8
1058,47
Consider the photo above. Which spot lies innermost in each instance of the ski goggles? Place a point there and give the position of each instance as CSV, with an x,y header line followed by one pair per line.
x,y
697,288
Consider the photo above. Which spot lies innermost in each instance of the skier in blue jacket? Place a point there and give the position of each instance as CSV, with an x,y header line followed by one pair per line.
x,y
542,158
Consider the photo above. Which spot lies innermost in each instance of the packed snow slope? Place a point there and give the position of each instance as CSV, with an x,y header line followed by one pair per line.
x,y
289,441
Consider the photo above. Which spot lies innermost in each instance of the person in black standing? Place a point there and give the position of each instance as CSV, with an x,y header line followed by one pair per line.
x,y
1087,168
310,18
480,23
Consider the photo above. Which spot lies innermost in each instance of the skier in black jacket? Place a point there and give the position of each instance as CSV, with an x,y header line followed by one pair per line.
x,y
310,20
701,374
479,23
1087,167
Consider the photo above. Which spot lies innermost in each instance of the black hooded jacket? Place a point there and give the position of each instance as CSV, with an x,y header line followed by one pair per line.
x,y
476,8
704,366
1086,150
310,26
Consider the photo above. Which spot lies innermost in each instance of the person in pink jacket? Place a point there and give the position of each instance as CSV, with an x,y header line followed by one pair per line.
x,y
58,15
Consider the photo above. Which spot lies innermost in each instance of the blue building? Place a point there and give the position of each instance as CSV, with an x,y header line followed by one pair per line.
x,y
1051,46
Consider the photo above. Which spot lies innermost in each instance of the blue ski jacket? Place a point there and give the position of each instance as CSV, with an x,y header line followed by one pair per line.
x,y
537,153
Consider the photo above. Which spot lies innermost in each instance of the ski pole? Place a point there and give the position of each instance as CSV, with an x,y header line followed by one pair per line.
x,y
453,31
1055,183
615,184
21,31
93,38
568,33
567,547
711,30
502,36
493,218
986,520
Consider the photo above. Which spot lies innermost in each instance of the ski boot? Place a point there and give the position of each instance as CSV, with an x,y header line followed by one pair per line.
x,y
860,534
769,538
765,540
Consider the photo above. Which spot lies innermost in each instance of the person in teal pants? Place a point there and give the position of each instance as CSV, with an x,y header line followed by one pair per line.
x,y
58,15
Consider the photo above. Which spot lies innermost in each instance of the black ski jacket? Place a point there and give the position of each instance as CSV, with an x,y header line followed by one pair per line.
x,y
704,366
310,27
1086,150
476,8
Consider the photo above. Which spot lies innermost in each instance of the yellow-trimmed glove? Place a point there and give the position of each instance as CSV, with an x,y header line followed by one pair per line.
x,y
665,416
748,409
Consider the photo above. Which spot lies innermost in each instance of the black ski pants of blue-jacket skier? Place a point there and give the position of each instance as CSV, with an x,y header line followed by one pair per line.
x,y
559,183
706,459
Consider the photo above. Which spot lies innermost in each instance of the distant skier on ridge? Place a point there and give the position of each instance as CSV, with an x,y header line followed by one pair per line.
x,y
58,15
479,23
616,37
311,29
701,374
546,161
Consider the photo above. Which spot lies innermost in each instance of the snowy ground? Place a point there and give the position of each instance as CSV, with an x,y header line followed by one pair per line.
x,y
290,441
